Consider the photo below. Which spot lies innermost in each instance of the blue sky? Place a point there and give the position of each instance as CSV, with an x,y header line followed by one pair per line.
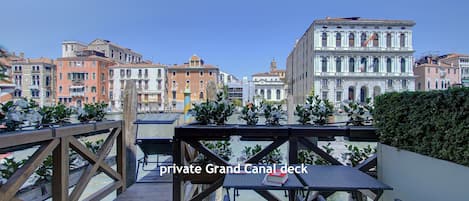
x,y
239,36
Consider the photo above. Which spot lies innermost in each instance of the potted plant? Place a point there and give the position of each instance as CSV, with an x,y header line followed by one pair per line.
x,y
213,112
274,157
311,158
359,114
14,115
250,114
92,112
272,113
304,111
322,110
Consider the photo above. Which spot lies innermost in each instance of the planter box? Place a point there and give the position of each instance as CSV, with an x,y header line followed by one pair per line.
x,y
416,177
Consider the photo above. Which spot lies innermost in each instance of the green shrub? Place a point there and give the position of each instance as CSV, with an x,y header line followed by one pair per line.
x,y
434,123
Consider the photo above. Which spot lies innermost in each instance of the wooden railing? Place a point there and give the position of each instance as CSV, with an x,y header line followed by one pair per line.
x,y
58,141
187,141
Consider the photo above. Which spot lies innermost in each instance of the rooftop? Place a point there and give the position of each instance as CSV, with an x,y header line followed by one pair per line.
x,y
362,21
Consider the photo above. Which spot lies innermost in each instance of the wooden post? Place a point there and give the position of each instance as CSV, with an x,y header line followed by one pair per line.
x,y
60,180
129,117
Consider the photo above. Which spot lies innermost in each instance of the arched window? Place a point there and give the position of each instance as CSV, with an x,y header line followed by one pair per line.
x,y
402,38
278,94
388,40
351,40
269,94
338,65
351,65
375,40
324,39
428,84
419,86
364,65
402,65
262,93
201,95
338,40
443,84
375,65
363,39
388,65
324,64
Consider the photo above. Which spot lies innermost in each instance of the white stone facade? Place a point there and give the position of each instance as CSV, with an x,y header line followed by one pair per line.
x,y
150,81
351,59
269,88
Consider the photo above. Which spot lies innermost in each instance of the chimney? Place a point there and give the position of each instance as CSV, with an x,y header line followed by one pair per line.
x,y
21,54
429,60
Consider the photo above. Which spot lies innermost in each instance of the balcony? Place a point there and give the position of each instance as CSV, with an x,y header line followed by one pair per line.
x,y
34,86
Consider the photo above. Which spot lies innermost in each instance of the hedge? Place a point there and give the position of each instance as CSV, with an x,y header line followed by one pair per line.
x,y
434,123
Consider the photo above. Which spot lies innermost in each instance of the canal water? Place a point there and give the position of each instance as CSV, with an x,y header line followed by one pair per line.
x,y
236,144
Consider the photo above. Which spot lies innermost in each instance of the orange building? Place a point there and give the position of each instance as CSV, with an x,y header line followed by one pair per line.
x,y
195,74
82,79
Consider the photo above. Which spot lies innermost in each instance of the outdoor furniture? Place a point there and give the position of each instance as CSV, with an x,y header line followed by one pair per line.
x,y
153,145
245,181
333,178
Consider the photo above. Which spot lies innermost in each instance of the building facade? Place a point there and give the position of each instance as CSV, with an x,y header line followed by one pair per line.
x,y
462,62
34,79
343,59
110,50
269,86
82,80
150,81
225,78
195,75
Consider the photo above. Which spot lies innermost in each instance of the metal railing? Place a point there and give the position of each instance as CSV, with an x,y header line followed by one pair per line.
x,y
187,140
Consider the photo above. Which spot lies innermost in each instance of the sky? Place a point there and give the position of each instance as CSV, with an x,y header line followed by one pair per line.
x,y
239,36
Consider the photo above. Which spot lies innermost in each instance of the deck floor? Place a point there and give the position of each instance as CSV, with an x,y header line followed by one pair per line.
x,y
149,187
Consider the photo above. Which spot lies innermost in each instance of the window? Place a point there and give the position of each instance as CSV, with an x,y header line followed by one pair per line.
x,y
351,65
174,94
338,83
278,94
402,38
159,73
103,90
404,84
389,83
324,95
122,72
174,73
111,73
338,96
338,65
269,94
94,76
419,86
338,40
210,73
201,73
187,73
363,39
364,64
324,64
388,40
174,83
388,65
375,65
201,84
60,89
324,83
351,40
443,84
454,71
324,39
201,95
129,73
403,65
375,40
436,84
102,77
428,84
93,89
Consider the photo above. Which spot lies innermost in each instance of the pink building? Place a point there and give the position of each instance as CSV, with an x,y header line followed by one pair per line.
x,y
435,75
